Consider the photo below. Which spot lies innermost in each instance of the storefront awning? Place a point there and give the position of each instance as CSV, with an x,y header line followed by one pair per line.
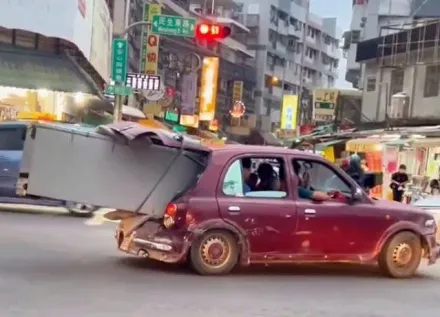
x,y
32,69
324,145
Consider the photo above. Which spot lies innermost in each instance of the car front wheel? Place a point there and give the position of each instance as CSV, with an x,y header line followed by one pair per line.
x,y
401,255
214,253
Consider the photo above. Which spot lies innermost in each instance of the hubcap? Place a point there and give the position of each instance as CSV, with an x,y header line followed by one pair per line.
x,y
215,251
402,254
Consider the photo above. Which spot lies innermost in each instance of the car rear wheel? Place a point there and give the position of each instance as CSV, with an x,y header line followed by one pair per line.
x,y
401,255
214,253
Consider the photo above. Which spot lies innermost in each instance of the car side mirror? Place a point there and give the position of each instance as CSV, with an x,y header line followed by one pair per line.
x,y
357,194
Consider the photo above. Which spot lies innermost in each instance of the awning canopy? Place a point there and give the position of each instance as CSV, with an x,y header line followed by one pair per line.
x,y
32,69
324,145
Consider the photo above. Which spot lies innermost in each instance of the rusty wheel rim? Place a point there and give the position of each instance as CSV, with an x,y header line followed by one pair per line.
x,y
215,251
402,254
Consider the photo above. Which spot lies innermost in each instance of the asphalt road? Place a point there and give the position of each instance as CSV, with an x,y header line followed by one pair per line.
x,y
60,266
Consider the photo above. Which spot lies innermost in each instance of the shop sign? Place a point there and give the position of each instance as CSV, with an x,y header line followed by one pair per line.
x,y
208,89
237,91
190,120
102,33
289,112
363,146
324,104
119,60
143,82
189,94
152,44
68,20
172,116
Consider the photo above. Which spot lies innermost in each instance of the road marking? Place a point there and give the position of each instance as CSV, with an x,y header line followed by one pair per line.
x,y
98,218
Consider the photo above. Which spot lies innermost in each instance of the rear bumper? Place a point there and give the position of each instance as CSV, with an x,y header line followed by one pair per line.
x,y
152,240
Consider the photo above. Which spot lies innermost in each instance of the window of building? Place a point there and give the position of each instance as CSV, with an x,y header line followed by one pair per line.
x,y
355,36
432,81
371,83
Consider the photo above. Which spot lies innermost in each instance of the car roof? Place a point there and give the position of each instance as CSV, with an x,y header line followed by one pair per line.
x,y
237,149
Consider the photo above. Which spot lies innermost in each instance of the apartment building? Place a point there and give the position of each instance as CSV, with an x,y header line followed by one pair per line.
x,y
236,61
278,29
375,18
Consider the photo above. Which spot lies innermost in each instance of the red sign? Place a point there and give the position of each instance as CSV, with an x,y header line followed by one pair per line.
x,y
306,129
82,7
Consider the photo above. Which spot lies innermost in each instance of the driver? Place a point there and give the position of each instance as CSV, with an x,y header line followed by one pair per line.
x,y
305,193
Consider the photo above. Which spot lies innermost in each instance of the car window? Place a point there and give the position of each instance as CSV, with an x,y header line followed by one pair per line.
x,y
317,176
233,181
256,177
12,139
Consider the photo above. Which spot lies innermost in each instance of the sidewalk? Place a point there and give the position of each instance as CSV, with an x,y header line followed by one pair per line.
x,y
36,209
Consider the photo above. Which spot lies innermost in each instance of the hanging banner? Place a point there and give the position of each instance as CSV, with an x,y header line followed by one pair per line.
x,y
208,89
144,38
289,112
237,91
189,94
152,43
324,104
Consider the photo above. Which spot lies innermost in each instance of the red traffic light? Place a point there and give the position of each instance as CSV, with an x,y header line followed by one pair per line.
x,y
212,31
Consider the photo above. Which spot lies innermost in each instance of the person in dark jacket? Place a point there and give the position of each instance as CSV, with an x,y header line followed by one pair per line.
x,y
354,170
398,182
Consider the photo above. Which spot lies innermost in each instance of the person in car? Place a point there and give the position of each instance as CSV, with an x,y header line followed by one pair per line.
x,y
250,179
306,193
266,174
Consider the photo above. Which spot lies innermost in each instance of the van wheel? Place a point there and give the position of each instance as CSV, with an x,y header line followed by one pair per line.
x,y
214,253
401,255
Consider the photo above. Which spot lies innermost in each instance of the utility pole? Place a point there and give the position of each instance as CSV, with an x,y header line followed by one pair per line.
x,y
301,75
117,112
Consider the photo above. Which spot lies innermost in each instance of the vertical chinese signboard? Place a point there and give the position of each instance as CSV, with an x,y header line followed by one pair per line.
x,y
150,42
208,89
324,104
237,91
119,60
289,112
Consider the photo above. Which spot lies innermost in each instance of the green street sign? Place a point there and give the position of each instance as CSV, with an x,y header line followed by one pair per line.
x,y
173,25
119,60
118,90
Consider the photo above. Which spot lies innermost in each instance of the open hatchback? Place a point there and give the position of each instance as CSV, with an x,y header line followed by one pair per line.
x,y
123,166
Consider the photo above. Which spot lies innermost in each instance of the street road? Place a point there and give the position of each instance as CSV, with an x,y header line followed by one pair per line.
x,y
60,266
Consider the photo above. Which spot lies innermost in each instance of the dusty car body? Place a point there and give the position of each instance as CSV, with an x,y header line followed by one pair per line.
x,y
186,214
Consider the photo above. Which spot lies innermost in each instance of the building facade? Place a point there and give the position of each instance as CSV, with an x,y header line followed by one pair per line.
x,y
375,18
54,56
403,64
278,29
177,55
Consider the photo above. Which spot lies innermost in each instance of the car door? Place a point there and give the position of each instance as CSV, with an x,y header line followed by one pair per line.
x,y
337,227
267,218
11,150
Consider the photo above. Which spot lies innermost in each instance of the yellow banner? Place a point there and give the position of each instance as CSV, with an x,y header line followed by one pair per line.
x,y
289,112
363,146
208,89
152,57
237,91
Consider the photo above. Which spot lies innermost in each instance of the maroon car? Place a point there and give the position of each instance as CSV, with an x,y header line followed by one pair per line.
x,y
219,221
